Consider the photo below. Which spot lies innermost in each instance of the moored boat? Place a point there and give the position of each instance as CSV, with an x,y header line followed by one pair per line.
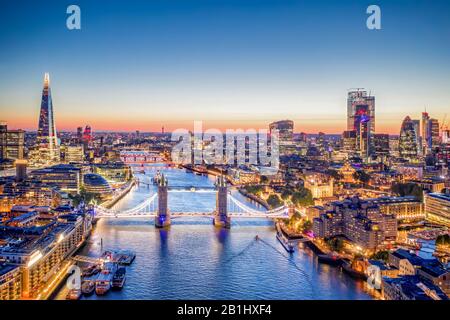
x,y
286,244
331,259
119,278
73,294
88,287
103,282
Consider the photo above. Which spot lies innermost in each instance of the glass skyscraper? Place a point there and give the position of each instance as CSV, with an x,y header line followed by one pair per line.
x,y
46,136
361,119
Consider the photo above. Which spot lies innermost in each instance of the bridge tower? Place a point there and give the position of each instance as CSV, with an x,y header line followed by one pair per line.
x,y
221,218
162,218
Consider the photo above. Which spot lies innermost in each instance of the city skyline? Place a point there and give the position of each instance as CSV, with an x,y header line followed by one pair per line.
x,y
230,64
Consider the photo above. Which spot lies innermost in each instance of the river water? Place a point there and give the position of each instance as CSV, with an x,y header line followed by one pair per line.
x,y
195,260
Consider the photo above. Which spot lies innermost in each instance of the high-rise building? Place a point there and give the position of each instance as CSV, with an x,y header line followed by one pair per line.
x,y
80,134
424,133
3,139
361,118
87,136
11,143
349,141
285,130
46,136
381,144
15,141
74,153
408,140
433,131
416,124
21,170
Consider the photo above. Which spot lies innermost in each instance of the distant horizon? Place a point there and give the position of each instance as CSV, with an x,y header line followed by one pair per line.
x,y
139,65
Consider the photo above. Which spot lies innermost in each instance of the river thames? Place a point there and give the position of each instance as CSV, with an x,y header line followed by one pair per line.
x,y
195,260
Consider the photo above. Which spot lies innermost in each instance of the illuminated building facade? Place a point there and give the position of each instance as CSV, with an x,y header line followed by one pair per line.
x,y
437,208
10,282
41,256
46,136
408,140
65,177
381,144
349,141
96,184
361,118
11,143
320,185
74,153
360,221
285,130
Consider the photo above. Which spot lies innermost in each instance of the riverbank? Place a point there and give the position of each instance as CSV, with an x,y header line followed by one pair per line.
x,y
122,193
254,198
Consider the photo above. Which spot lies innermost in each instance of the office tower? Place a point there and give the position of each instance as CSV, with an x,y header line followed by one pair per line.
x,y
21,170
408,141
15,141
416,124
381,144
424,132
80,134
361,108
285,130
349,141
87,134
365,137
3,139
433,131
74,153
46,136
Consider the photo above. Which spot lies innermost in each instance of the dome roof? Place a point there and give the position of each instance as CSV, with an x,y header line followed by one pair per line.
x,y
96,183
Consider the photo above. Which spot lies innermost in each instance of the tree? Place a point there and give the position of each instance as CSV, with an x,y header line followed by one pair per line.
x,y
286,194
362,176
380,255
335,244
274,201
335,174
83,196
408,189
302,197
307,225
254,189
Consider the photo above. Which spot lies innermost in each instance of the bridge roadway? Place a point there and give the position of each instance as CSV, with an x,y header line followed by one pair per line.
x,y
193,214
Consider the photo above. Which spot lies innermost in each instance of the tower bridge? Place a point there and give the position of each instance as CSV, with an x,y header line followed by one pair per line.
x,y
227,206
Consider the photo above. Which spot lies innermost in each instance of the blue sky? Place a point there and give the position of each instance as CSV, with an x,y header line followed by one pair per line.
x,y
144,64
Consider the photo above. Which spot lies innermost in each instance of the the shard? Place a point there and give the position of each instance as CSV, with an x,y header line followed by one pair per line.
x,y
46,135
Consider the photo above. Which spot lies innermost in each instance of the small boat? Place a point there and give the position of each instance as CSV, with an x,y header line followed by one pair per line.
x,y
73,294
89,271
119,278
331,259
88,287
103,282
286,244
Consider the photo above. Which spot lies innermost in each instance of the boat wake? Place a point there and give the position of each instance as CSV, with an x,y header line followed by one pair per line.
x,y
258,239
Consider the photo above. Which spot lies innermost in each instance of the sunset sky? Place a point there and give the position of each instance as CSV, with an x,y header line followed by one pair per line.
x,y
140,65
